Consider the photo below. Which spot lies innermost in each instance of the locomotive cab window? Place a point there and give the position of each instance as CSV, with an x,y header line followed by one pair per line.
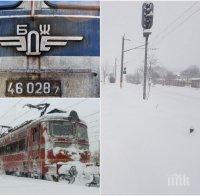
x,y
36,134
14,147
2,150
8,149
61,128
22,145
82,132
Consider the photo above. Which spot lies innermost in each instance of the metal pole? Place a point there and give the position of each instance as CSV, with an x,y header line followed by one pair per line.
x,y
104,75
115,69
32,8
122,61
145,67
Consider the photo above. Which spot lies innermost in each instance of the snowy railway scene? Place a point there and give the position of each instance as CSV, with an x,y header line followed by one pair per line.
x,y
99,97
150,98
153,140
46,145
49,71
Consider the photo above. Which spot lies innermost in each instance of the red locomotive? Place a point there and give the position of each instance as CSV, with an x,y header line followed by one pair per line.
x,y
46,147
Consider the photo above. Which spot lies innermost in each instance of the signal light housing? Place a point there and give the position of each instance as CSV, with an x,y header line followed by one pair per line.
x,y
147,15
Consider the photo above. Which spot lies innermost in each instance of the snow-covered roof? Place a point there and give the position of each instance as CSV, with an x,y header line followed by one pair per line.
x,y
195,79
46,117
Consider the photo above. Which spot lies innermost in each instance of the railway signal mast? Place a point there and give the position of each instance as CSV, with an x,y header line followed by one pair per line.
x,y
147,22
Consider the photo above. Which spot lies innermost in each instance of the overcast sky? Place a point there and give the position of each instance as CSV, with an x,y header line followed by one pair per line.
x,y
13,113
176,50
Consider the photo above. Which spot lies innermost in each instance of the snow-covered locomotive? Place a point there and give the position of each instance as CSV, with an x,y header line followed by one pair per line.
x,y
55,146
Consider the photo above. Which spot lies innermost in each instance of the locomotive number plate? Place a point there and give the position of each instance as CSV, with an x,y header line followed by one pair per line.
x,y
33,88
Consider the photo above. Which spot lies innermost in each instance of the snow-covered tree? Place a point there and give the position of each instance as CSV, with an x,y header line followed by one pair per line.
x,y
192,71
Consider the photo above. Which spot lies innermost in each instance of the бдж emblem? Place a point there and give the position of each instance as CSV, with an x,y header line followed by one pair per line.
x,y
33,43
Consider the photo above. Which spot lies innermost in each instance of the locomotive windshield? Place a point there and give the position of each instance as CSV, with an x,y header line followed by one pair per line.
x,y
61,128
82,132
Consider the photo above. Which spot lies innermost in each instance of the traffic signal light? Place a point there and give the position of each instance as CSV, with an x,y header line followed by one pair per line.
x,y
147,15
124,71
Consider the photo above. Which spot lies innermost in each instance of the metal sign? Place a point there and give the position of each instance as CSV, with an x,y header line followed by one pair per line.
x,y
29,88
34,42
49,36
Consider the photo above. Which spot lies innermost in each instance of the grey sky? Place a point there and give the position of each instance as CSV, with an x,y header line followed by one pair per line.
x,y
177,49
13,113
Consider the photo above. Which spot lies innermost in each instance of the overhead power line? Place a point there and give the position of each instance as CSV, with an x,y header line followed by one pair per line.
x,y
77,103
175,20
137,47
91,114
94,127
176,27
93,121
18,117
10,109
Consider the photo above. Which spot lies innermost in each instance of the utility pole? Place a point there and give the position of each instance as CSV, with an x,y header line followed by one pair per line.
x,y
122,61
115,72
104,75
123,70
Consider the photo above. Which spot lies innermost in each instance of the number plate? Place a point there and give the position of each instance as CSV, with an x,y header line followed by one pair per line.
x,y
33,88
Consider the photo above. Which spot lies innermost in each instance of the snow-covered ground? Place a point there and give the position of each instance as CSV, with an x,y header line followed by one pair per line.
x,y
144,143
26,186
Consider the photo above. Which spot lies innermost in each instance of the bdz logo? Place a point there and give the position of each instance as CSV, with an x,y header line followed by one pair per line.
x,y
33,42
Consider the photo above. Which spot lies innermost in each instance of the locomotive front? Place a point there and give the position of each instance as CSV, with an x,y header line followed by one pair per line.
x,y
66,147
